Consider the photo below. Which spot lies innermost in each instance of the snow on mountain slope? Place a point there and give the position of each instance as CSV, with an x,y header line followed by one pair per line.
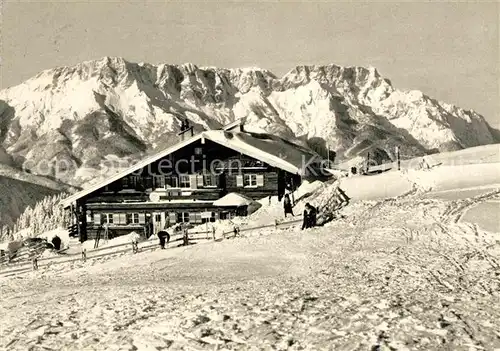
x,y
434,124
72,118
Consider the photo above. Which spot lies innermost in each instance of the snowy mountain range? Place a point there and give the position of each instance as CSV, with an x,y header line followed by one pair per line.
x,y
112,108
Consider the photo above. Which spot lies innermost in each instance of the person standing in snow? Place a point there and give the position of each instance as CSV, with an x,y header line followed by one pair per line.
x,y
289,192
135,242
164,238
236,231
313,216
310,213
287,204
305,221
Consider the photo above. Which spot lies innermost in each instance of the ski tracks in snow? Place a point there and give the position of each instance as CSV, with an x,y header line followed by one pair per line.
x,y
398,274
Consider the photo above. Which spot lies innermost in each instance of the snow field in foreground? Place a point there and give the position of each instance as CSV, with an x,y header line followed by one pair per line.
x,y
420,284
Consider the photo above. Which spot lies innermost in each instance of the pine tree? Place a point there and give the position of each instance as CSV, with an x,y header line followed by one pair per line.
x,y
43,216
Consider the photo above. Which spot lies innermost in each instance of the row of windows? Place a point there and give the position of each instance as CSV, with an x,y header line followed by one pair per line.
x,y
185,181
189,181
193,217
207,180
119,218
140,218
185,217
250,180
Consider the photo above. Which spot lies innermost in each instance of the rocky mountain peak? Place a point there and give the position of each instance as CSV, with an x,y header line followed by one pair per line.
x,y
113,107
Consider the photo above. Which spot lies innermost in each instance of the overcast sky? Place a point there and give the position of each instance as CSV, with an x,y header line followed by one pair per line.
x,y
448,50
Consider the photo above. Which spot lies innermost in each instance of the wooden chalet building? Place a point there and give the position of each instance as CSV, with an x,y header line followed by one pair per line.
x,y
181,183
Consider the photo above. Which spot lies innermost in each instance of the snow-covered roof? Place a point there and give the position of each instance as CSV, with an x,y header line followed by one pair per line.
x,y
272,150
233,199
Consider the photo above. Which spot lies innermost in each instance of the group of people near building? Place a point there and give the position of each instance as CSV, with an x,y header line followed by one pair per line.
x,y
310,212
310,215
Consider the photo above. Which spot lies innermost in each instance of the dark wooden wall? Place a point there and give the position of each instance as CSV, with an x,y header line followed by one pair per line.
x,y
111,199
215,158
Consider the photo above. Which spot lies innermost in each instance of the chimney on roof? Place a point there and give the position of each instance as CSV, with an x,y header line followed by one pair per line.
x,y
242,124
237,125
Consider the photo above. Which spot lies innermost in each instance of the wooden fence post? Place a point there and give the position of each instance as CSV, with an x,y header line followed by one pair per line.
x,y
367,168
398,159
185,237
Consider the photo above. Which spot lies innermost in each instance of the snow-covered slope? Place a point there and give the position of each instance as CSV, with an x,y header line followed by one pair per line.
x,y
81,115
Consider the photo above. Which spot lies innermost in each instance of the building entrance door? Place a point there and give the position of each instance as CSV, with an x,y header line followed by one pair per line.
x,y
158,222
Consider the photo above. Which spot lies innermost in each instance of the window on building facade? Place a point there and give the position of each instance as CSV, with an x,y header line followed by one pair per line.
x,y
134,181
198,150
108,218
132,218
184,181
211,219
159,181
172,181
250,180
182,217
209,180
